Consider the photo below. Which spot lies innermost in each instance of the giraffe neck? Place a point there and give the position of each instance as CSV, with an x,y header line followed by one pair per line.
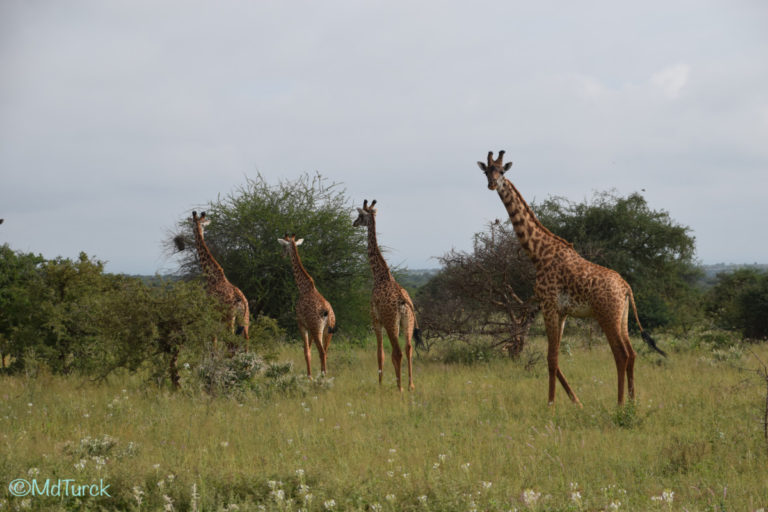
x,y
534,238
211,268
303,280
378,265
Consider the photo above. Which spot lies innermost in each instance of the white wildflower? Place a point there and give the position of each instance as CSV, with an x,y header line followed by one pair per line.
x,y
329,504
138,494
531,497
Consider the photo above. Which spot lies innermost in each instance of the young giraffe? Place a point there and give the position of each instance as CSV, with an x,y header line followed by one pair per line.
x,y
314,314
391,306
567,284
217,283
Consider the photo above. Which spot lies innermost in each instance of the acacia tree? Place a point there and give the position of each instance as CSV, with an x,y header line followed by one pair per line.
x,y
651,251
243,233
487,293
739,301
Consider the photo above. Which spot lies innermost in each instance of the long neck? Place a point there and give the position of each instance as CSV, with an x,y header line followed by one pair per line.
x,y
378,265
211,268
303,280
537,240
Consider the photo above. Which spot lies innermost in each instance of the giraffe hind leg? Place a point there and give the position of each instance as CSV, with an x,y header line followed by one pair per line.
x,y
397,355
407,325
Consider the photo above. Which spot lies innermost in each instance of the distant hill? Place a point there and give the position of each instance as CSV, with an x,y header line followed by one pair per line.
x,y
711,271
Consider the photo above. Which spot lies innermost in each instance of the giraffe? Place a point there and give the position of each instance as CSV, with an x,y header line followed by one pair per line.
x,y
217,283
314,314
567,284
391,306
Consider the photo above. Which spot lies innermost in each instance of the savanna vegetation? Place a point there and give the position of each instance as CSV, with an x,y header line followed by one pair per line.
x,y
114,379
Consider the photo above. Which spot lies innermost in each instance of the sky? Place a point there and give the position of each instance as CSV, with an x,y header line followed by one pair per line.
x,y
118,118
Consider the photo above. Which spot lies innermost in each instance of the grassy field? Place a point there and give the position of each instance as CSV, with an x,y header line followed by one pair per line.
x,y
471,437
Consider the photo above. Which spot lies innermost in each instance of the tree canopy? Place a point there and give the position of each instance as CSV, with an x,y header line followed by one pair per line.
x,y
243,233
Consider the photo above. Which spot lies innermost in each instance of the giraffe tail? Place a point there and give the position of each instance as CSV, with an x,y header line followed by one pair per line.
x,y
646,337
417,337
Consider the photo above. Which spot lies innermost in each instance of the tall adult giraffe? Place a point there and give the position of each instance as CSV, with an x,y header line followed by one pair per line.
x,y
391,306
568,285
314,314
217,283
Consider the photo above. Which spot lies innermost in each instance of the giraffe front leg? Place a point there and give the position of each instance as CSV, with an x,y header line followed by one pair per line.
x,y
379,350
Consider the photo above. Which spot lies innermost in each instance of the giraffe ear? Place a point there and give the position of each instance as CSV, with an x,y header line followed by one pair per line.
x,y
360,211
507,166
282,242
482,166
299,241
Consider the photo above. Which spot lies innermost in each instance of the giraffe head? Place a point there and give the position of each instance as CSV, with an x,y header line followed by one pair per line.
x,y
200,221
366,214
494,170
288,242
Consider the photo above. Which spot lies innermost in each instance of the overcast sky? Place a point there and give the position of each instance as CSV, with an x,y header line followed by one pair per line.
x,y
118,118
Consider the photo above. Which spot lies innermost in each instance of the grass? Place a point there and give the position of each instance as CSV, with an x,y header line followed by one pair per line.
x,y
471,437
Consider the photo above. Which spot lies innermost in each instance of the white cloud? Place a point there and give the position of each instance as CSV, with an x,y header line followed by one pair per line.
x,y
671,80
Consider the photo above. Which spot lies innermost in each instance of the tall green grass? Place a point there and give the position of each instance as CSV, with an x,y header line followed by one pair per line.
x,y
471,437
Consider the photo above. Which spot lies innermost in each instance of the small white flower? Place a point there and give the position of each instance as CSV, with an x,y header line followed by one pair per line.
x,y
224,444
390,498
329,504
422,499
392,450
308,498
442,457
156,466
300,473
406,475
272,484
390,474
376,507
168,506
486,485
614,505
33,472
436,465
576,497
531,497
668,496
465,466
138,494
